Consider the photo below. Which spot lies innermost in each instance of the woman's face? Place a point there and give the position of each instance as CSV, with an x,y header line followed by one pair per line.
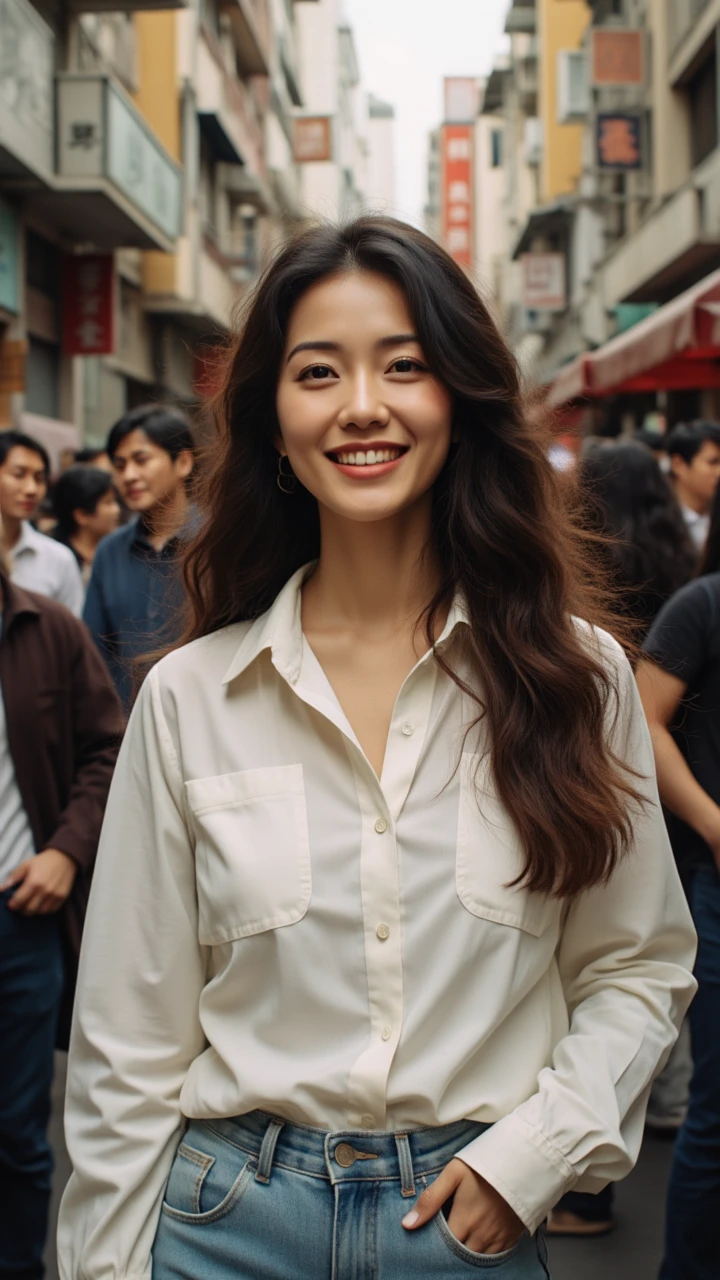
x,y
366,427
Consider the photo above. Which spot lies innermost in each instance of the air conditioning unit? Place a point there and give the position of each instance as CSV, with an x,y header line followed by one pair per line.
x,y
533,141
573,86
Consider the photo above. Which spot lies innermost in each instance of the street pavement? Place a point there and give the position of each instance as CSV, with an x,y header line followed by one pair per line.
x,y
632,1252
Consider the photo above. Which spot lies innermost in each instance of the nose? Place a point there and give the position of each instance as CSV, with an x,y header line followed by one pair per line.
x,y
364,406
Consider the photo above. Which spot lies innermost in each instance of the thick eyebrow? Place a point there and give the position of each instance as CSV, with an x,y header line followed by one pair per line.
x,y
395,340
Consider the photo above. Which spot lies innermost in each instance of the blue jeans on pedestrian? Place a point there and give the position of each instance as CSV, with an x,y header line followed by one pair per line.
x,y
31,983
692,1242
255,1198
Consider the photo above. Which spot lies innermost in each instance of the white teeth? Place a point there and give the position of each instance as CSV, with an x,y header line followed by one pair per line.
x,y
368,457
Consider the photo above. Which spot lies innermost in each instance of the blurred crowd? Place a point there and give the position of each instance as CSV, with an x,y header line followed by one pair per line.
x,y
103,542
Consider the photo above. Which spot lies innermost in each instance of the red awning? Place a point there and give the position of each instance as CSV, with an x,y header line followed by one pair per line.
x,y
676,348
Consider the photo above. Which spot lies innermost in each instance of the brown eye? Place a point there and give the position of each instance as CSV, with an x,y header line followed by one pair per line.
x,y
318,372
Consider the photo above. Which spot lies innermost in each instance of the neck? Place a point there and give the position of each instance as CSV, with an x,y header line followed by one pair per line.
x,y
163,521
85,543
12,528
376,576
690,500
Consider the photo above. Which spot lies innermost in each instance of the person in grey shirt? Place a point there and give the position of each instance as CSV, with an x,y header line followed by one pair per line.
x,y
37,563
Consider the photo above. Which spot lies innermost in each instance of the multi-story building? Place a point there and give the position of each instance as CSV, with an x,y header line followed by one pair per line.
x,y
149,163
80,168
618,256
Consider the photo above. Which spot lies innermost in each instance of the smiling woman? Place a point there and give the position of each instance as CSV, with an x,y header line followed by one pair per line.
x,y
385,916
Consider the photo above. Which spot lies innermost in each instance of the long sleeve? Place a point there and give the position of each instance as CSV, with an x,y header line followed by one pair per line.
x,y
625,961
136,1025
97,728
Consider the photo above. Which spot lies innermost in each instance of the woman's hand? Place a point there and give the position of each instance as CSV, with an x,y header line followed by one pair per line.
x,y
480,1218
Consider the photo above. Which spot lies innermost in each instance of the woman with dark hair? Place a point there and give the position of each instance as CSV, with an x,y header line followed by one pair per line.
x,y
679,682
630,502
87,510
367,985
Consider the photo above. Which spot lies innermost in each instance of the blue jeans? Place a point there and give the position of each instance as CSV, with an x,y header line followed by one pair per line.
x,y
692,1242
254,1198
31,982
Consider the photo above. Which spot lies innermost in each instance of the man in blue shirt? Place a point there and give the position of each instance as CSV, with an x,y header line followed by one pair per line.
x,y
135,595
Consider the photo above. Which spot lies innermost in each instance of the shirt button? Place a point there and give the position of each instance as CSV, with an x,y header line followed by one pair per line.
x,y
380,826
408,728
383,932
386,1033
367,1122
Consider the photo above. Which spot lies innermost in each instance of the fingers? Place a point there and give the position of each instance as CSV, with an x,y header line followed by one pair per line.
x,y
433,1198
15,876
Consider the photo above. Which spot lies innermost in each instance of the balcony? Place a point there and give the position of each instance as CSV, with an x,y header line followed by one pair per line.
x,y
691,25
77,147
521,18
124,6
676,245
250,21
115,184
226,110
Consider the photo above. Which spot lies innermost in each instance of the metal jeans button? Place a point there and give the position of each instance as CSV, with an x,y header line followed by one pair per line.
x,y
344,1155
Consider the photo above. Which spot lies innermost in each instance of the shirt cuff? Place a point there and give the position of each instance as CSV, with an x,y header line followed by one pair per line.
x,y
522,1166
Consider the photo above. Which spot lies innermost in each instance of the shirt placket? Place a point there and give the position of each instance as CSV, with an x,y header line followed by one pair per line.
x,y
381,804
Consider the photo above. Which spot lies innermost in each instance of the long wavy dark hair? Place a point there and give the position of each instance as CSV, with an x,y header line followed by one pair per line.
x,y
648,551
501,534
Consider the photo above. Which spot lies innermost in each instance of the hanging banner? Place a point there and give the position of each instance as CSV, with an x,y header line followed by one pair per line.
x,y
544,287
312,139
619,140
457,192
617,56
88,305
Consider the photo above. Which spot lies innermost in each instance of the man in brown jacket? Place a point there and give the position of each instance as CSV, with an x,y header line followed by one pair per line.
x,y
60,731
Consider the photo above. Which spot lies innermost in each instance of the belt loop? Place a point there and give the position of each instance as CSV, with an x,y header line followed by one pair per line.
x,y
267,1150
407,1176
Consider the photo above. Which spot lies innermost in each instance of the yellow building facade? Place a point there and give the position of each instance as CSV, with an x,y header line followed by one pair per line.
x,y
561,25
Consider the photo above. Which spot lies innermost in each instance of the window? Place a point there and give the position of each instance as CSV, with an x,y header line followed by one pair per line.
x,y
496,148
702,92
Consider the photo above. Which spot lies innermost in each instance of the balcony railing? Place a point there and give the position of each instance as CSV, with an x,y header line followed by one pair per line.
x,y
681,18
102,136
251,28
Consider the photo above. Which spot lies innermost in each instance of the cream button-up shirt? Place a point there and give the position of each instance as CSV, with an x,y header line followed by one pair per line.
x,y
272,925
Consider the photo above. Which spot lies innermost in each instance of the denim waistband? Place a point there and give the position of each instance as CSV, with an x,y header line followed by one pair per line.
x,y
345,1154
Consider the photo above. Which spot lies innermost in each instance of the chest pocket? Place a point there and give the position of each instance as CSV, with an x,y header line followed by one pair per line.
x,y
490,856
252,851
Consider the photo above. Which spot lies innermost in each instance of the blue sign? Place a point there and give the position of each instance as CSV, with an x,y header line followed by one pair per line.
x,y
9,267
619,140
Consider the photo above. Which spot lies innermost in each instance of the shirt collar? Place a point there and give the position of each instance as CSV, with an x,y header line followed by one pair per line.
x,y
280,631
29,540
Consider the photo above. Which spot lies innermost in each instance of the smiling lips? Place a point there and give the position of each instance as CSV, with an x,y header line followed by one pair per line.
x,y
371,455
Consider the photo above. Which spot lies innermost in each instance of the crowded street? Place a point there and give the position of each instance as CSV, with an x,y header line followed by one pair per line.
x,y
359,639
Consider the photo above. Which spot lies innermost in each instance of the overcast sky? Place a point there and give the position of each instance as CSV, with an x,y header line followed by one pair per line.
x,y
405,48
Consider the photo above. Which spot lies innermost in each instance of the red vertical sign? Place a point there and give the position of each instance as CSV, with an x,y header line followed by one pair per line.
x,y
457,192
88,309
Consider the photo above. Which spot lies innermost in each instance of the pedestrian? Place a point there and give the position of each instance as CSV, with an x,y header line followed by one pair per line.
x,y
648,550
679,683
87,510
134,593
60,726
649,554
37,562
94,456
367,983
694,453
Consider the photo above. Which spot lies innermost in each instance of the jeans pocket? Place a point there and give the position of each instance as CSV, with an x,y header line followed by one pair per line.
x,y
487,1260
207,1178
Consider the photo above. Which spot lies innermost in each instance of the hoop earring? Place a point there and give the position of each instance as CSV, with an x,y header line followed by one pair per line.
x,y
286,480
